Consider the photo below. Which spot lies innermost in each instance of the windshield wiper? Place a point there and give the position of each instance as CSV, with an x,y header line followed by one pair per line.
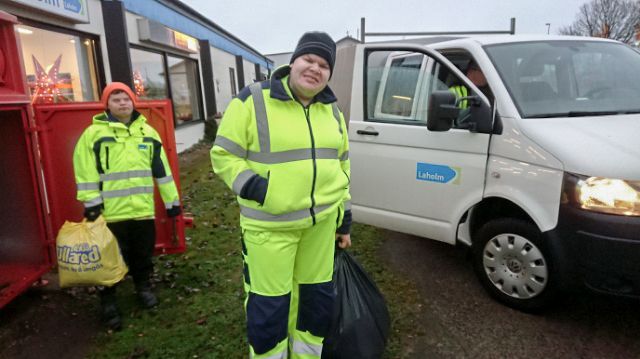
x,y
575,114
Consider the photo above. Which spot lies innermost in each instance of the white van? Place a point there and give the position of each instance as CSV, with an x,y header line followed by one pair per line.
x,y
538,172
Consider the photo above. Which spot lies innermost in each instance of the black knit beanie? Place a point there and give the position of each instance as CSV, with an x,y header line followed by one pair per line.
x,y
317,43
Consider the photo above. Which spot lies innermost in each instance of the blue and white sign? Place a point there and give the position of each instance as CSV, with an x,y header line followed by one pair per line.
x,y
75,10
437,173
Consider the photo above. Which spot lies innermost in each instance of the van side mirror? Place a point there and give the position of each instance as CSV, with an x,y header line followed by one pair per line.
x,y
442,111
481,118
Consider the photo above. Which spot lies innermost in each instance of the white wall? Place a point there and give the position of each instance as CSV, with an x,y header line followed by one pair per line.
x,y
280,59
222,61
249,72
189,135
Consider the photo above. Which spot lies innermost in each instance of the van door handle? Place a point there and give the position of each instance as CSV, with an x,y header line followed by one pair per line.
x,y
365,132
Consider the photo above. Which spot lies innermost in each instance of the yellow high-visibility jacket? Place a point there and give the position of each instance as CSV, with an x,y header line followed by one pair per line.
x,y
460,91
300,153
116,165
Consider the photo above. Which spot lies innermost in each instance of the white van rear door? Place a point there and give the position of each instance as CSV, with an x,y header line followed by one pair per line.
x,y
405,177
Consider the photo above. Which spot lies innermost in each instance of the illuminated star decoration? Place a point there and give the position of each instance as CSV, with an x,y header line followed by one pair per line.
x,y
46,82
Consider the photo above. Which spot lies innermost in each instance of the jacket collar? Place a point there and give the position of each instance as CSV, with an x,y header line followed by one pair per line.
x,y
280,88
107,118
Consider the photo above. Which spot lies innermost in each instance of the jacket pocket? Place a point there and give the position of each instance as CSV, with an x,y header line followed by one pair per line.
x,y
288,190
255,237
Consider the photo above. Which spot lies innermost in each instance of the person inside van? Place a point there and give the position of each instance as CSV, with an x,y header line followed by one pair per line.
x,y
474,73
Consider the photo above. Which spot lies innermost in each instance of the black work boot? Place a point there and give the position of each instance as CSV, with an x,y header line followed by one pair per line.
x,y
146,296
109,310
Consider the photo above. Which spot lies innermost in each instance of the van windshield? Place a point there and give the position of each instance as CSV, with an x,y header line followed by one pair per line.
x,y
569,78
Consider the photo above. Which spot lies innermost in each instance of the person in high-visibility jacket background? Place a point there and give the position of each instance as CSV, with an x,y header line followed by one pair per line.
x,y
462,92
116,160
282,147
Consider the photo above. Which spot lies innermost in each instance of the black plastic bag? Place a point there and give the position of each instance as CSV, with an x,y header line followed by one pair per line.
x,y
360,322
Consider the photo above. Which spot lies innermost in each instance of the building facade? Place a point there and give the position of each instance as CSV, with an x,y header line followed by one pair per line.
x,y
161,48
282,58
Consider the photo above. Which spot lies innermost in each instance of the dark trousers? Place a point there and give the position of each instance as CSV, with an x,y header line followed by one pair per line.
x,y
136,240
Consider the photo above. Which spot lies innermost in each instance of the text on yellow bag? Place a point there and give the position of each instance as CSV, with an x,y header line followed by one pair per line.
x,y
88,254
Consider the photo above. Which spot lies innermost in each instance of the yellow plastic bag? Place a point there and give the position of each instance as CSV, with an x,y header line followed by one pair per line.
x,y
88,254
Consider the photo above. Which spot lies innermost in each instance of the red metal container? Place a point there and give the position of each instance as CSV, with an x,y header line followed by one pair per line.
x,y
60,125
24,253
37,188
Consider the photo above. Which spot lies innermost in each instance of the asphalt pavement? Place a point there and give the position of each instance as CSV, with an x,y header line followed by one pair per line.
x,y
461,321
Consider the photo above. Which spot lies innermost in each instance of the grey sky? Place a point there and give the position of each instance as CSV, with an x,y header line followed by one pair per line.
x,y
272,27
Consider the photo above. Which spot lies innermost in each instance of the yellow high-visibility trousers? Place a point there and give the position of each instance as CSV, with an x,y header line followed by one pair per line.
x,y
287,278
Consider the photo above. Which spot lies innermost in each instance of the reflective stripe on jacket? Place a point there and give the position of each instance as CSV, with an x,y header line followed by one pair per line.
x,y
302,152
116,165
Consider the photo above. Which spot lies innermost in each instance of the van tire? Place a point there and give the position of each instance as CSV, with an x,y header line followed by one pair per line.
x,y
513,264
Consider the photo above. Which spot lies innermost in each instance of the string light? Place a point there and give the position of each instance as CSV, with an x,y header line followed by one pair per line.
x,y
138,83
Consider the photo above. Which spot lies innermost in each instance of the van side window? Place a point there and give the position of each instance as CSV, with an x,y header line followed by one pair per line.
x,y
396,87
399,83
470,68
400,89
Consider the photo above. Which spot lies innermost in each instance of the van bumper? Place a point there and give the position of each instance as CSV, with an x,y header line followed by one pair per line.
x,y
600,250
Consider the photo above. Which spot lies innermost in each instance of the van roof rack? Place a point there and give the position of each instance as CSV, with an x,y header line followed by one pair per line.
x,y
363,33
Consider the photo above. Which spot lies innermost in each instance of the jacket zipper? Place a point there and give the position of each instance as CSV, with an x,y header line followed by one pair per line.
x,y
313,160
107,150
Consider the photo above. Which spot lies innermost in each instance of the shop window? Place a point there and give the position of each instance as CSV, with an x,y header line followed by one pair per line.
x,y
60,67
158,75
183,77
148,74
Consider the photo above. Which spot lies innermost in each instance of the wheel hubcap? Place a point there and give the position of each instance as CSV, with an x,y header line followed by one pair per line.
x,y
515,266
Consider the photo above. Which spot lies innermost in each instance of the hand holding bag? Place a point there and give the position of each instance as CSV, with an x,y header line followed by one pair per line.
x,y
88,254
360,323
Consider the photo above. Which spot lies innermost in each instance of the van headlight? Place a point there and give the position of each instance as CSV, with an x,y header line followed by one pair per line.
x,y
605,195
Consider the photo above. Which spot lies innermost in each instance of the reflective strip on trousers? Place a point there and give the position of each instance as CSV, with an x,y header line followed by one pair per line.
x,y
94,202
88,186
241,180
275,157
126,192
261,117
305,348
164,180
286,217
171,204
125,175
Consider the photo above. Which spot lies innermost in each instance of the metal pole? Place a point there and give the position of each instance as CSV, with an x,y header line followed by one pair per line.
x,y
362,30
548,27
511,31
438,33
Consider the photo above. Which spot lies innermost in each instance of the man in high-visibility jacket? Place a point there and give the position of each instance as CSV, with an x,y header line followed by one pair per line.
x,y
282,147
474,73
116,161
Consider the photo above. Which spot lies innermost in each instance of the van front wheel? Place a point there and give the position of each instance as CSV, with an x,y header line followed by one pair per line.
x,y
513,265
